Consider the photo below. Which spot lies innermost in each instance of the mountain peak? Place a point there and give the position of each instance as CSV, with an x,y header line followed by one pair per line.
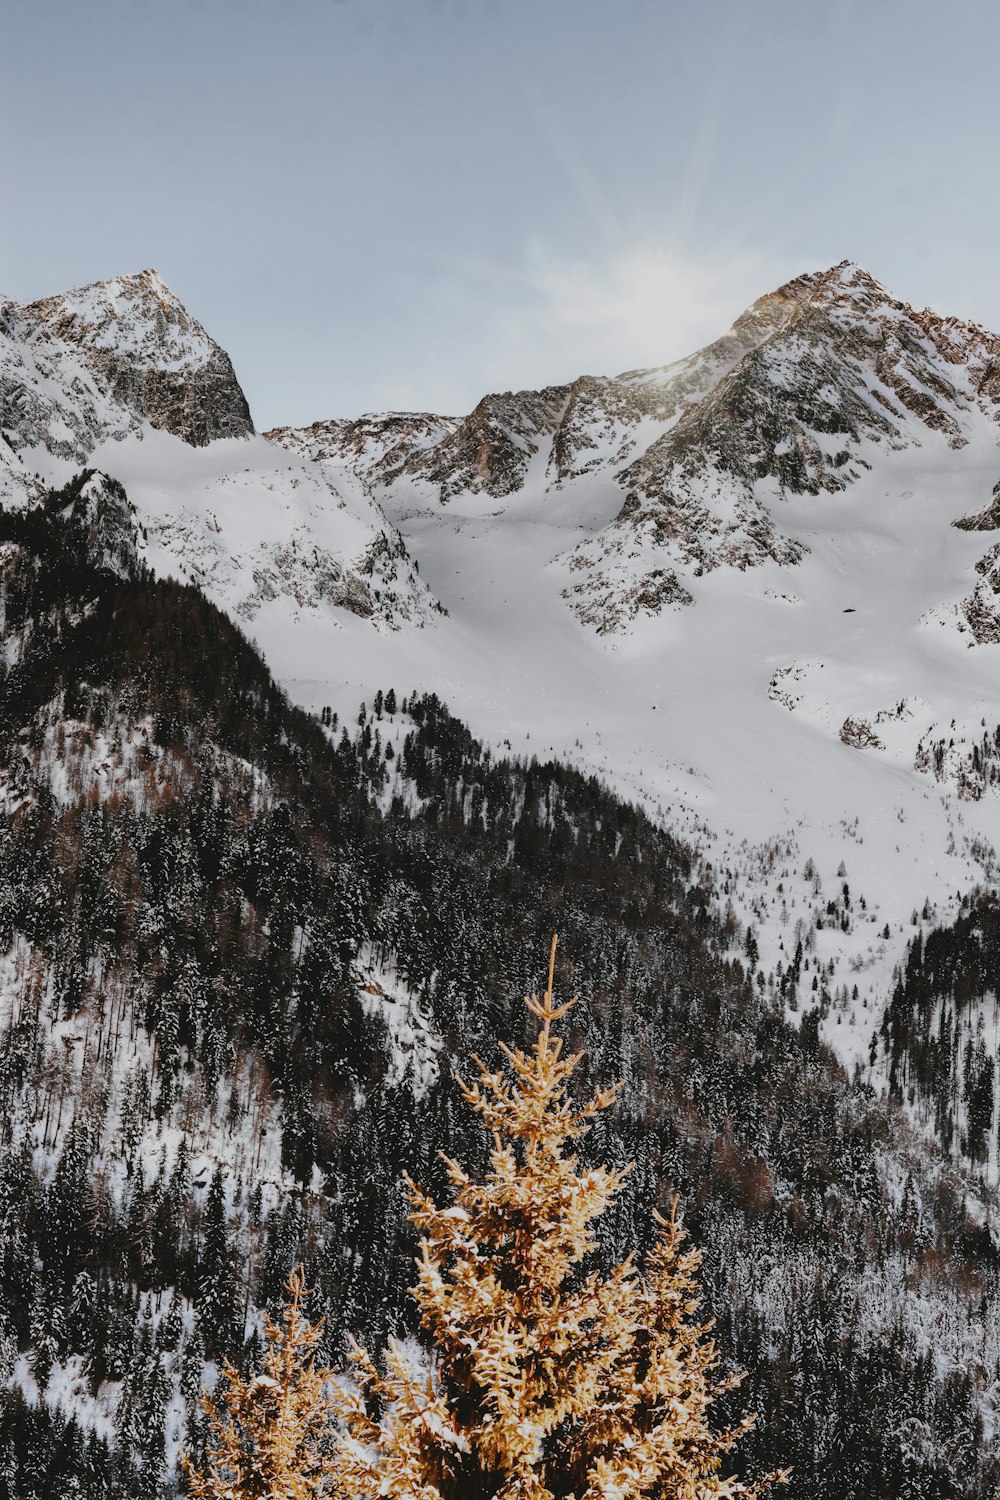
x,y
144,355
135,315
818,382
844,282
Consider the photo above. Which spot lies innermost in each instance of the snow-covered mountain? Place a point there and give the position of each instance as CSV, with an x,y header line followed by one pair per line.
x,y
849,374
788,403
754,588
99,361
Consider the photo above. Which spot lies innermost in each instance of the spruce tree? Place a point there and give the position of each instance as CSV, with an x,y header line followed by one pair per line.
x,y
219,1299
270,1435
547,1380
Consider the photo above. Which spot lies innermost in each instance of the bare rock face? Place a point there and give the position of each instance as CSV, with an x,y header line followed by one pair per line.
x,y
980,612
598,602
984,520
490,451
93,363
860,735
596,428
376,446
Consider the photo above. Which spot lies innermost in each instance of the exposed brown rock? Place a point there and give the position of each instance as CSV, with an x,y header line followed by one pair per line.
x,y
122,350
860,734
984,520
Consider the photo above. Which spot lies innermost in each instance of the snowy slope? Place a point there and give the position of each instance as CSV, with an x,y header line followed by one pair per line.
x,y
261,530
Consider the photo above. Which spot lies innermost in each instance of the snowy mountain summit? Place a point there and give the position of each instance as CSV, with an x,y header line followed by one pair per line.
x,y
94,362
840,373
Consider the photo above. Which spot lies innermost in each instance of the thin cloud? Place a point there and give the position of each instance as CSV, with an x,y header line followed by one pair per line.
x,y
548,317
643,305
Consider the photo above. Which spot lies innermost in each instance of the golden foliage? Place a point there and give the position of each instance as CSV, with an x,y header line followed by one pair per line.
x,y
546,1382
271,1435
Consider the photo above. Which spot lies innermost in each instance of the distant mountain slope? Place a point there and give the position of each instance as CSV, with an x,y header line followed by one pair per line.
x,y
262,531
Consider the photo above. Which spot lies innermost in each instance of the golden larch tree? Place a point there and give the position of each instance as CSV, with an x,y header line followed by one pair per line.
x,y
271,1435
546,1381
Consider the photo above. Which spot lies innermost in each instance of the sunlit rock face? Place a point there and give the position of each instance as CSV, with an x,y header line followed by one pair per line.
x,y
376,446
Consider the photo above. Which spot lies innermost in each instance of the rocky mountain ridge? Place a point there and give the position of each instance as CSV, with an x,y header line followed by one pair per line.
x,y
585,425
788,403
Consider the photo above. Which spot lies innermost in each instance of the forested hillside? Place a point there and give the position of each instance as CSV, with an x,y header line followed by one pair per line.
x,y
939,1030
243,950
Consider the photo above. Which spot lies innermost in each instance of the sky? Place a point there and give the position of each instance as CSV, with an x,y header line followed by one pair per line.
x,y
377,204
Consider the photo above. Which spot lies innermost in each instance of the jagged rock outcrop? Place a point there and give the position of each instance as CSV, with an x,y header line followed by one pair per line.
x,y
584,427
981,610
598,602
860,735
375,446
490,451
984,520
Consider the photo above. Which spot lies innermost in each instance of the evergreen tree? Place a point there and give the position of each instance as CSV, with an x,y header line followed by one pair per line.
x,y
270,1435
219,1300
549,1380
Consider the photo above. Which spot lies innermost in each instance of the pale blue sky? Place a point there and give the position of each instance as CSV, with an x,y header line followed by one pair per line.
x,y
375,203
